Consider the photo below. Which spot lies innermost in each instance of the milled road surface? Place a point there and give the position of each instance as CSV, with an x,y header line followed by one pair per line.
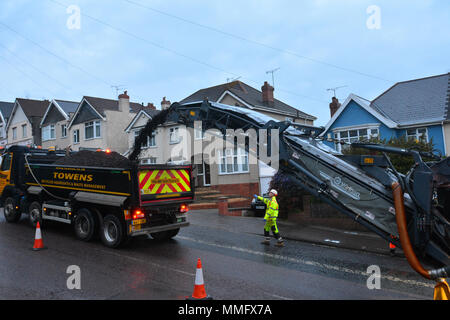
x,y
235,266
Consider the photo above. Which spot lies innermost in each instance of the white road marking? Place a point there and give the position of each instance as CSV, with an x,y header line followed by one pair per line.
x,y
147,262
333,241
308,262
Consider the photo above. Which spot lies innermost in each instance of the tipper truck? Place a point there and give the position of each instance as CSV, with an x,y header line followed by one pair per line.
x,y
118,202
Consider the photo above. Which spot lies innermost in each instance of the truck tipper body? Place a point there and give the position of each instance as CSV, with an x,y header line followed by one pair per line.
x,y
118,202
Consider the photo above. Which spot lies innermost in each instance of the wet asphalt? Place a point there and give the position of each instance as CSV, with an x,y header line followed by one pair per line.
x,y
235,266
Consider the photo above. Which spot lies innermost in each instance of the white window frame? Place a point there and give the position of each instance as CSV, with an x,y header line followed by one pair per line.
x,y
151,160
150,142
233,161
24,130
14,133
64,131
174,135
48,133
416,135
95,125
343,134
199,134
76,136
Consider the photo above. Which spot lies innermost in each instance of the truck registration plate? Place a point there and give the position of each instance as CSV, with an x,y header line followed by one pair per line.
x,y
260,207
138,221
135,228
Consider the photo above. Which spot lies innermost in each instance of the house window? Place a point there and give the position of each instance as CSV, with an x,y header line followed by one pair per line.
x,y
151,160
150,142
14,133
354,135
174,136
63,130
233,161
199,134
92,130
48,132
24,131
76,136
417,134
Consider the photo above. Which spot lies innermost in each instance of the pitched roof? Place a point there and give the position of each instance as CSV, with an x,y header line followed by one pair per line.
x,y
33,108
101,104
6,109
68,106
416,101
363,103
248,94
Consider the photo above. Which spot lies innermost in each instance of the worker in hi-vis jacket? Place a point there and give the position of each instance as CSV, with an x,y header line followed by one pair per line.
x,y
271,218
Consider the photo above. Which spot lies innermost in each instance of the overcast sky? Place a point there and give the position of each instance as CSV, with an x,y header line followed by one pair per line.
x,y
173,48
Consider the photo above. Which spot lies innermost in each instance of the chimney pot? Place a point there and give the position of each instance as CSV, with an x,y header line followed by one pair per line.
x,y
334,106
267,93
165,104
124,95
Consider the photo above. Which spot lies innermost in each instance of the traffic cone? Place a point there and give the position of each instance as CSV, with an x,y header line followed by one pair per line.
x,y
199,286
38,243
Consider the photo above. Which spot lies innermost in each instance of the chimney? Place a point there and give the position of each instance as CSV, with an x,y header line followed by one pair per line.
x,y
124,102
150,105
334,105
165,104
267,93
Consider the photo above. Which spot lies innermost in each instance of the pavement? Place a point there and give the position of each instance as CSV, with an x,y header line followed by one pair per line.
x,y
291,231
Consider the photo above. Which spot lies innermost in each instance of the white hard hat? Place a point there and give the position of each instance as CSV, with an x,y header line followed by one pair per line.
x,y
275,192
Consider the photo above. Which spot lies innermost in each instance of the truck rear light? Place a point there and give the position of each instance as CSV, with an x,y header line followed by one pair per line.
x,y
138,214
184,208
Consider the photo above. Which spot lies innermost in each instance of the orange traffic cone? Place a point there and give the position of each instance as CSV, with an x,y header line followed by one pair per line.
x,y
38,243
199,286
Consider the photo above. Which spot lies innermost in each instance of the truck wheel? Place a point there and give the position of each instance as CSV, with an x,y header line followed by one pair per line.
x,y
84,225
112,231
9,210
35,214
165,235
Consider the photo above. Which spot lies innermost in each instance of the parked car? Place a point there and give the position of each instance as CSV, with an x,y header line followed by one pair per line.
x,y
259,207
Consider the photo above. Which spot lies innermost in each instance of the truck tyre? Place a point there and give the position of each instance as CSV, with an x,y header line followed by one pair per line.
x,y
165,235
35,214
10,212
84,225
112,231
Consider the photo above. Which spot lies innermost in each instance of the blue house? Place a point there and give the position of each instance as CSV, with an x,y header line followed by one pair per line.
x,y
417,109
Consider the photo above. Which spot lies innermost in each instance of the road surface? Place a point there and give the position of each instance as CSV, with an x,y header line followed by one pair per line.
x,y
235,266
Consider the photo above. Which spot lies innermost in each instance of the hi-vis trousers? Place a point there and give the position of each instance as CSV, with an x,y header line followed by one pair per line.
x,y
271,224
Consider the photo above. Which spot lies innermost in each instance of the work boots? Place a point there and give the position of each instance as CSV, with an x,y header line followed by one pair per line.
x,y
266,241
280,242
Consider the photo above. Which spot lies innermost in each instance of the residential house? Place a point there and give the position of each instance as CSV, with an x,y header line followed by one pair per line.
x,y
150,153
231,173
100,123
5,113
417,109
54,124
23,126
240,94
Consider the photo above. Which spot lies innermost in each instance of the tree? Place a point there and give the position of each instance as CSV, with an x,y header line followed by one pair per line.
x,y
290,195
401,163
